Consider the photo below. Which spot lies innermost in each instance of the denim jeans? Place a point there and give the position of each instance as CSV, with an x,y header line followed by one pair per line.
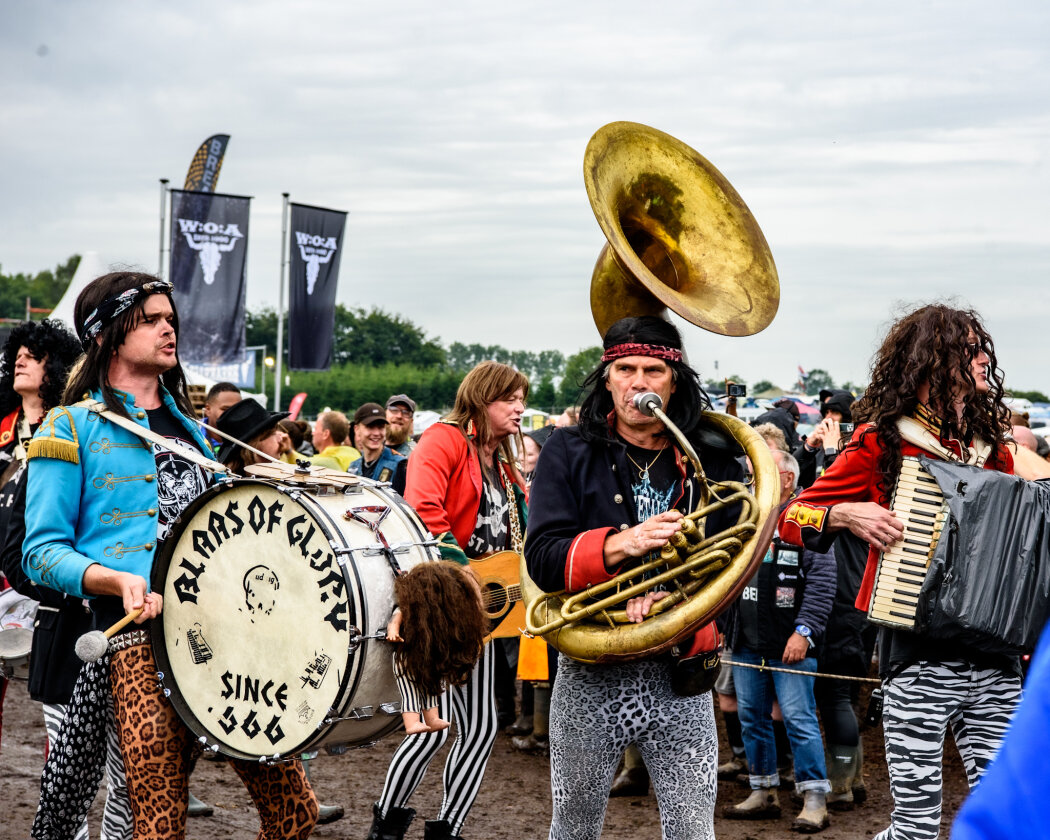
x,y
755,692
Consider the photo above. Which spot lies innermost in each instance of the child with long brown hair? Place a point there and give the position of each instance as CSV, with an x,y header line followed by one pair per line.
x,y
442,628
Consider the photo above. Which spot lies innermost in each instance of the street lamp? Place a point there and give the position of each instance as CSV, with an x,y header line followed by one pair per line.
x,y
269,362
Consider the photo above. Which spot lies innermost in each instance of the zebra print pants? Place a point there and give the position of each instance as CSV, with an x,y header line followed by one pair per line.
x,y
473,707
118,823
920,703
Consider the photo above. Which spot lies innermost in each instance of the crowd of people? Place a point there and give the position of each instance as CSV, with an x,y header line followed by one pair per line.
x,y
101,451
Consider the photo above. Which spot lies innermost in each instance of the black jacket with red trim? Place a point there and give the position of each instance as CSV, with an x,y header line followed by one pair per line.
x,y
581,493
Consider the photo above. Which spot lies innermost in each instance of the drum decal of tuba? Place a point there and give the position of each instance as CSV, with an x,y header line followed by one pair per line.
x,y
679,238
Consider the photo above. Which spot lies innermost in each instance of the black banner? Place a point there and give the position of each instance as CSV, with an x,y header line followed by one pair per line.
x,y
316,240
203,173
209,246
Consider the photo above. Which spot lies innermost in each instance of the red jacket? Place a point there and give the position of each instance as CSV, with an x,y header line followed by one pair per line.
x,y
445,484
854,477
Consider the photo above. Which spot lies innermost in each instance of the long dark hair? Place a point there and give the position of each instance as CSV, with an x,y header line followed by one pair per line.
x,y
50,340
94,372
931,346
442,624
684,407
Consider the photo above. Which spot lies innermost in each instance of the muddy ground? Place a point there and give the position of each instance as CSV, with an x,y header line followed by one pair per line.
x,y
514,802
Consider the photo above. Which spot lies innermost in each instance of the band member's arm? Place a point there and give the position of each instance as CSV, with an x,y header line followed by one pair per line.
x,y
842,498
55,482
429,471
561,553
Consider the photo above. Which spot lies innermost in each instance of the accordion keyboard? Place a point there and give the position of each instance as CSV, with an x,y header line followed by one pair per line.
x,y
919,504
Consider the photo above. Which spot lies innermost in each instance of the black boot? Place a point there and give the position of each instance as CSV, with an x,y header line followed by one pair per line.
x,y
391,827
438,830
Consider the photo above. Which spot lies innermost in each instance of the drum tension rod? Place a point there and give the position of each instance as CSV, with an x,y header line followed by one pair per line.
x,y
356,638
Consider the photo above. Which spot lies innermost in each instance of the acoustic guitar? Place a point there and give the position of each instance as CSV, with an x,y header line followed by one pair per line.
x,y
500,577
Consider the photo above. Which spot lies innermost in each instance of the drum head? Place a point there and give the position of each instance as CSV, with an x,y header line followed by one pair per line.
x,y
254,634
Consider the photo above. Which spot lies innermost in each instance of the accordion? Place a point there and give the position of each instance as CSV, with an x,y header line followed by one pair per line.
x,y
919,503
974,561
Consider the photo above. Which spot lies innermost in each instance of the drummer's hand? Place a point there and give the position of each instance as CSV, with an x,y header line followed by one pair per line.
x,y
393,628
869,521
638,608
154,605
134,594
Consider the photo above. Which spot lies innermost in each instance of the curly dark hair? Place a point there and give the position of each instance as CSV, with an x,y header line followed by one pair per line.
x,y
683,408
442,624
50,340
931,346
94,372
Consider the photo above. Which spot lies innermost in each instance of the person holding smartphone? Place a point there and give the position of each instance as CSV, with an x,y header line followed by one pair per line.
x,y
818,451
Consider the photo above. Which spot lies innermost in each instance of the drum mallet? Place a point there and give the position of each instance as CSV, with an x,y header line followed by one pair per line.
x,y
92,646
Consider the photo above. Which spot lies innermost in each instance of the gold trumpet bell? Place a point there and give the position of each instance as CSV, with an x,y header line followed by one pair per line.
x,y
679,236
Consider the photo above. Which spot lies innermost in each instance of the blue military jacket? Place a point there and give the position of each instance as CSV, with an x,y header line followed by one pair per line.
x,y
92,495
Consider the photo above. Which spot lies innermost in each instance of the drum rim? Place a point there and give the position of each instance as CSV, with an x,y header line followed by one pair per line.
x,y
165,676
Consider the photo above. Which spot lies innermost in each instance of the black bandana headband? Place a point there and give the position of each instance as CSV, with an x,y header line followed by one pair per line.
x,y
108,311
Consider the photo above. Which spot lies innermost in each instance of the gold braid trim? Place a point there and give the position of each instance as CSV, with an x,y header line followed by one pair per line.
x,y
51,446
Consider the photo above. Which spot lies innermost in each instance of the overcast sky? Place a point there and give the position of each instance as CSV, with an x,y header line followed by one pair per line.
x,y
892,152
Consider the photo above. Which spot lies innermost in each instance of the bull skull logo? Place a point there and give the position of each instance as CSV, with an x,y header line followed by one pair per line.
x,y
315,251
212,240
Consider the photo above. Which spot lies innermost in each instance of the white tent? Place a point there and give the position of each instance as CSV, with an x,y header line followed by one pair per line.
x,y
90,267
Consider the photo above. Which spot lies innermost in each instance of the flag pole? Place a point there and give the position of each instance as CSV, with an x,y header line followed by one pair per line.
x,y
280,306
163,224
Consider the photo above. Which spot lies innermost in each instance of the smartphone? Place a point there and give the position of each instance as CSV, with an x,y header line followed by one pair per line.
x,y
734,390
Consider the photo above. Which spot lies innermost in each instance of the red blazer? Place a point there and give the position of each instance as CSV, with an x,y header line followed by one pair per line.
x,y
445,484
854,477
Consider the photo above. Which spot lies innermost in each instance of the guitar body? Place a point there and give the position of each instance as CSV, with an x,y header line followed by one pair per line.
x,y
500,577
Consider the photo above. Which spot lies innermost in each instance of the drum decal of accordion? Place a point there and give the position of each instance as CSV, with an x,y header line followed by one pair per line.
x,y
919,504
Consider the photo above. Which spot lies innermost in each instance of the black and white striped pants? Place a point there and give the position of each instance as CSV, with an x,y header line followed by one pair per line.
x,y
118,822
920,703
413,698
473,708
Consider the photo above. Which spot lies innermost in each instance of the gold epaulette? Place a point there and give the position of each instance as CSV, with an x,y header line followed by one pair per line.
x,y
46,445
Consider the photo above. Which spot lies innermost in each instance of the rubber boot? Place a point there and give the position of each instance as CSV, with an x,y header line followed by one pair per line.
x,y
762,804
842,765
393,826
196,808
730,770
325,813
633,780
438,830
860,790
814,814
539,741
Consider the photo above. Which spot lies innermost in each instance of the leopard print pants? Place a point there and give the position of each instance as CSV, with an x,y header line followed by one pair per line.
x,y
597,711
156,747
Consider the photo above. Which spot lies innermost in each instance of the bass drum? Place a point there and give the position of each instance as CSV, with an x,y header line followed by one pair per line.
x,y
276,598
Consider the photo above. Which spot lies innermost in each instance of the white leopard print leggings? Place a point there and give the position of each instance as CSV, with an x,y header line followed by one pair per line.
x,y
597,711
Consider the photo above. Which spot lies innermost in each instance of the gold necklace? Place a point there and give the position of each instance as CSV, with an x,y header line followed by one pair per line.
x,y
643,472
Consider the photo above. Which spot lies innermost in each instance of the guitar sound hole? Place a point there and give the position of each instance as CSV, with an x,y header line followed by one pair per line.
x,y
495,599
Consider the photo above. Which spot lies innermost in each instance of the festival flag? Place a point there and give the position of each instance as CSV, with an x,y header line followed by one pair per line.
x,y
316,238
209,246
203,173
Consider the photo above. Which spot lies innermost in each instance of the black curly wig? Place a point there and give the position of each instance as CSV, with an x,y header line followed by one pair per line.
x,y
44,339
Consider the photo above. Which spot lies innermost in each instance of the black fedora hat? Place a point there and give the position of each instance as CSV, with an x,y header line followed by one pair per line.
x,y
245,420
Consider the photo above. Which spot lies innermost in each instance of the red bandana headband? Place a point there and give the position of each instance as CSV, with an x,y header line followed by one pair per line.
x,y
657,351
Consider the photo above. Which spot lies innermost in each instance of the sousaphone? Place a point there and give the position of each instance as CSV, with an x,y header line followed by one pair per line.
x,y
680,238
